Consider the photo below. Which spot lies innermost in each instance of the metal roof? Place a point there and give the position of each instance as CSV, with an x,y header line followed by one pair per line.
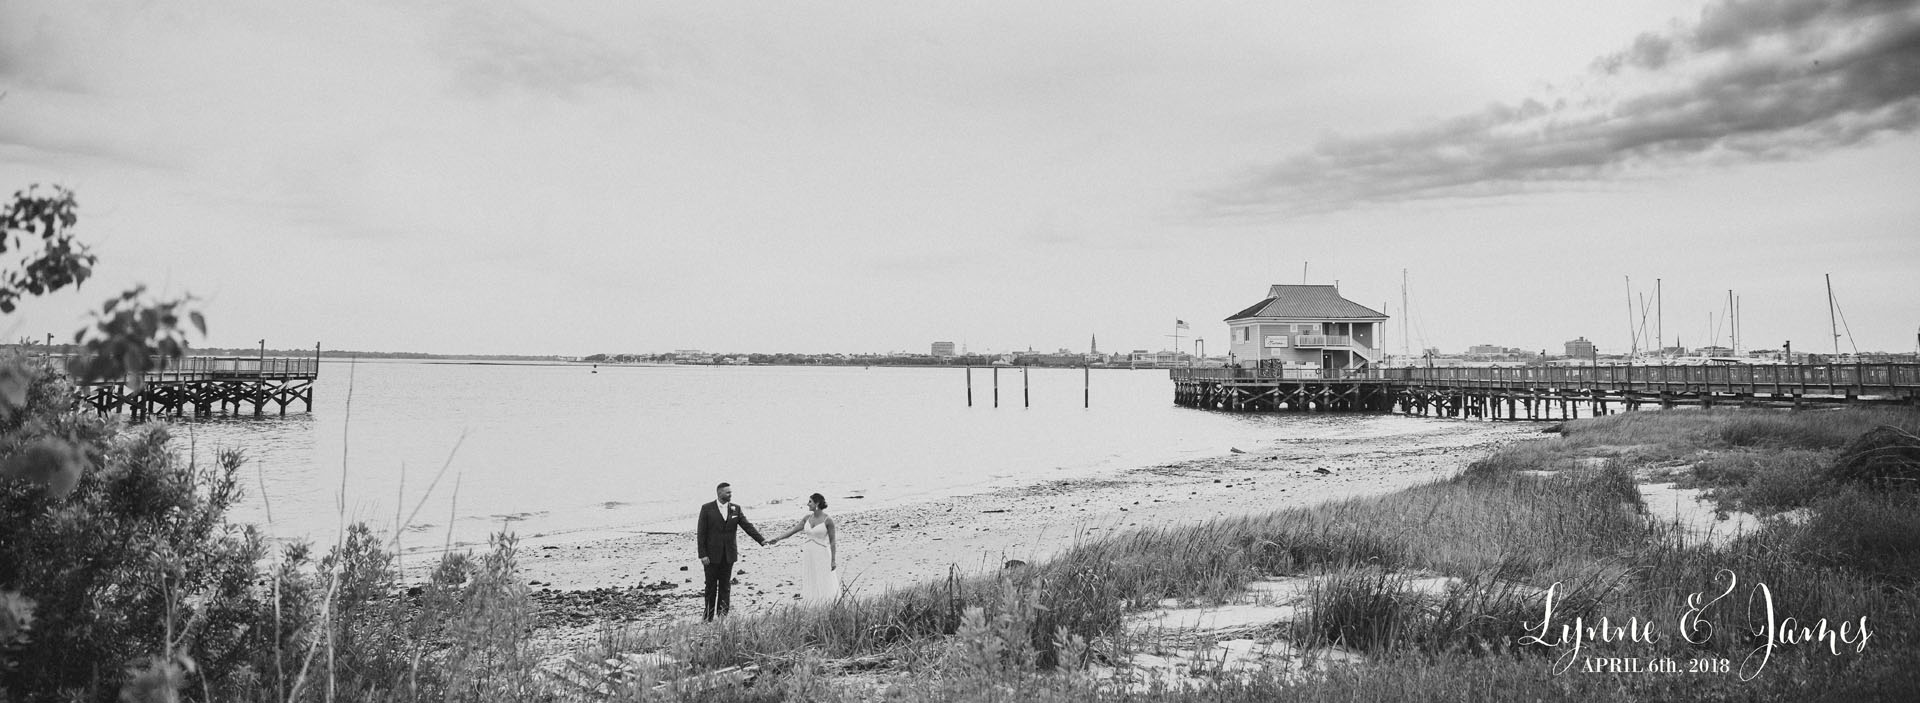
x,y
1307,302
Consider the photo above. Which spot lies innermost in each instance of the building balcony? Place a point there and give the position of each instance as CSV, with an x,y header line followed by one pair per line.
x,y
1335,342
1317,341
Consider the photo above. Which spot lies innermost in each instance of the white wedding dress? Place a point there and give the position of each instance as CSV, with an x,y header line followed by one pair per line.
x,y
819,583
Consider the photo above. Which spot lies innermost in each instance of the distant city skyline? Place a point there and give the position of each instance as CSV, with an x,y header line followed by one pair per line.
x,y
563,179
1187,348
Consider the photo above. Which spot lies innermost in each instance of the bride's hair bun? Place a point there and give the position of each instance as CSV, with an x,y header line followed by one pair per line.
x,y
819,500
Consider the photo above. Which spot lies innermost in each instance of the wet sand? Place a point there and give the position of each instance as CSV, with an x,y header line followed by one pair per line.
x,y
901,545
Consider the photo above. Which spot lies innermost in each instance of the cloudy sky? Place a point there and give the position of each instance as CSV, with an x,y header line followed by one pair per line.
x,y
581,177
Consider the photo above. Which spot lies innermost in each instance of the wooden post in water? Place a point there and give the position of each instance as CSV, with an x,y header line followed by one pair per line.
x,y
969,386
996,386
1026,389
316,375
1086,386
259,385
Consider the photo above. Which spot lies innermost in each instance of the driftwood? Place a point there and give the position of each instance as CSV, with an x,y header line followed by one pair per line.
x,y
730,676
629,669
871,662
600,677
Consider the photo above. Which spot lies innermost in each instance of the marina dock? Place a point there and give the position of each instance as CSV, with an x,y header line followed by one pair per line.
x,y
1545,393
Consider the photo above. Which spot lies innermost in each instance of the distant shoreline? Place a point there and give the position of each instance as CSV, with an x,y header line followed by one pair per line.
x,y
883,365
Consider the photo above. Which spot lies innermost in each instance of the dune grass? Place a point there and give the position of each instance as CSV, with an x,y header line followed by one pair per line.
x,y
1506,535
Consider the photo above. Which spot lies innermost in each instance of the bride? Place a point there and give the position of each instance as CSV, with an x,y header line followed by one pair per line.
x,y
819,555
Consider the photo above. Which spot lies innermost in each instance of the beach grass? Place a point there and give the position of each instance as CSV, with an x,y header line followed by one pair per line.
x,y
1502,529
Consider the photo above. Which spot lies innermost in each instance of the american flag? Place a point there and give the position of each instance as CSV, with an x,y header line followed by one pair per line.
x,y
1180,324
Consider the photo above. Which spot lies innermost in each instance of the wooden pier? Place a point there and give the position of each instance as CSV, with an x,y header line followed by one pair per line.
x,y
1546,393
204,385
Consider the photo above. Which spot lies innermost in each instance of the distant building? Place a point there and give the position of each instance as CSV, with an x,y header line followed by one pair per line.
x,y
1062,358
943,350
1496,353
1581,348
1306,326
1162,359
691,356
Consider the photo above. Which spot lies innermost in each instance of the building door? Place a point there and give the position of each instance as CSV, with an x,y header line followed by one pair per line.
x,y
1326,361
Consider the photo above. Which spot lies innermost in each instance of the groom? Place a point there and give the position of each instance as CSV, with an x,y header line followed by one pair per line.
x,y
717,550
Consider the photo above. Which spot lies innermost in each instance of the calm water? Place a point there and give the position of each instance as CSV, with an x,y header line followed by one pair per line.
x,y
560,450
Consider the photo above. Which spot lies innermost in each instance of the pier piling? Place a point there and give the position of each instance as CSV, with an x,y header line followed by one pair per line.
x,y
208,385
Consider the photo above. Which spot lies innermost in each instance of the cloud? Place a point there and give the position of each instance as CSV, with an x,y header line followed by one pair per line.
x,y
1765,79
494,47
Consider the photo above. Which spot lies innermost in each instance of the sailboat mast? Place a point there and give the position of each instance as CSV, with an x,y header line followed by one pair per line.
x,y
1831,325
1730,320
1633,335
1659,319
1404,349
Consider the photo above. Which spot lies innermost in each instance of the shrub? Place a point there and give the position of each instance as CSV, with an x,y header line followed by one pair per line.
x,y
353,633
1884,458
136,562
116,552
134,565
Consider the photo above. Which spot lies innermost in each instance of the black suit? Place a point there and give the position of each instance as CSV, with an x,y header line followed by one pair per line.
x,y
716,535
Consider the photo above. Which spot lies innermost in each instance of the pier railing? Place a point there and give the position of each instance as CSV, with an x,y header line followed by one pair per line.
x,y
1836,379
1216,373
227,368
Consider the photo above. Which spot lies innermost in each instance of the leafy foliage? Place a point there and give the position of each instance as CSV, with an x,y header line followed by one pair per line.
x,y
38,227
132,336
111,549
121,579
137,561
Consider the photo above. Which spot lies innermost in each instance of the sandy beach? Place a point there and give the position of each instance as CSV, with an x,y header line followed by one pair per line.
x,y
650,576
